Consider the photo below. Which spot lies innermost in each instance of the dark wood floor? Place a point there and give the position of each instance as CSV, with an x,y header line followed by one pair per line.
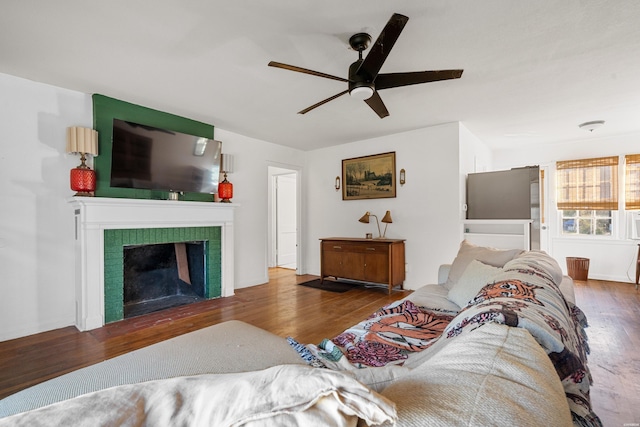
x,y
613,312
309,315
280,307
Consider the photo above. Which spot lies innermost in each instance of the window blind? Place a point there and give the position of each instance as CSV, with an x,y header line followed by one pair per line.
x,y
632,181
587,184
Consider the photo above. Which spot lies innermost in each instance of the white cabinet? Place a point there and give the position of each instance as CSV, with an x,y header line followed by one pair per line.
x,y
498,233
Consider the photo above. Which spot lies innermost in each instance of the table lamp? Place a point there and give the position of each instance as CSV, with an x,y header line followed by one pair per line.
x,y
82,141
386,219
225,188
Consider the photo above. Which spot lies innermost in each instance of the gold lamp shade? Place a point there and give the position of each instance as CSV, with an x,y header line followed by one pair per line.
x,y
365,218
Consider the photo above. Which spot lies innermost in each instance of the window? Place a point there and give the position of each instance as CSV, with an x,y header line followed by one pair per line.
x,y
586,222
587,192
588,184
632,181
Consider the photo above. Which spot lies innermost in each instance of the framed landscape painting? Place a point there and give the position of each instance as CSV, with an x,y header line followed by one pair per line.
x,y
369,177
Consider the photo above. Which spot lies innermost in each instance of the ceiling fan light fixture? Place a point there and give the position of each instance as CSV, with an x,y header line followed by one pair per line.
x,y
592,125
361,92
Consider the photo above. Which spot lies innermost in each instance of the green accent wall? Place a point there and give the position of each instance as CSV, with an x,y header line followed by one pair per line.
x,y
115,240
105,109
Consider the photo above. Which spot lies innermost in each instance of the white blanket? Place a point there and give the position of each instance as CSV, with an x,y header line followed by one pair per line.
x,y
289,395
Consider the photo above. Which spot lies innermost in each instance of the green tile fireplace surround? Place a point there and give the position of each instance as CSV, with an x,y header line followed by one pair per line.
x,y
116,239
104,226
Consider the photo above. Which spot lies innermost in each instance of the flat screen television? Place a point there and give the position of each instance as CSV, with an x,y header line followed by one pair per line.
x,y
146,157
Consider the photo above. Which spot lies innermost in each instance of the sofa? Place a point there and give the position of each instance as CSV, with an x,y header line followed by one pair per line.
x,y
498,341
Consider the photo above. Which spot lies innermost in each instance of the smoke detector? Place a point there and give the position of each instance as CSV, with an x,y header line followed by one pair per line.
x,y
592,125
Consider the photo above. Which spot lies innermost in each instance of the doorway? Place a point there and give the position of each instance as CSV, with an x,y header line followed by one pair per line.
x,y
283,236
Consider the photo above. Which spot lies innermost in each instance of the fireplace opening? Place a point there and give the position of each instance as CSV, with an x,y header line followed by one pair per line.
x,y
161,276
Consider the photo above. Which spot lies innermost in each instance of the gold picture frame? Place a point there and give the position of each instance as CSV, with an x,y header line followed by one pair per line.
x,y
369,177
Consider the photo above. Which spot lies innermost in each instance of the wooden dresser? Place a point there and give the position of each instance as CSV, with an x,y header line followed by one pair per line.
x,y
365,260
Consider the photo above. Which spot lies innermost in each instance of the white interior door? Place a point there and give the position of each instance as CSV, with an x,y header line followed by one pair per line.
x,y
286,225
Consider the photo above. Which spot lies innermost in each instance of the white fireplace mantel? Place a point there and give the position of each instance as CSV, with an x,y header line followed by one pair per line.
x,y
93,215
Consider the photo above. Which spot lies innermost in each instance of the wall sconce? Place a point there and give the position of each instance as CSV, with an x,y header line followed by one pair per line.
x,y
403,177
82,141
337,184
225,188
386,219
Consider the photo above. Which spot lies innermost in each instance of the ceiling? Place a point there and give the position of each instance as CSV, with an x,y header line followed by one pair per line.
x,y
533,70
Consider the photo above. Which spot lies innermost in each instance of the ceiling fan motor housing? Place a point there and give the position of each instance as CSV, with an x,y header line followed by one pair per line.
x,y
359,86
360,41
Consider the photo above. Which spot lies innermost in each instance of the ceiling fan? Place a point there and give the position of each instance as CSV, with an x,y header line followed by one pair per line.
x,y
364,80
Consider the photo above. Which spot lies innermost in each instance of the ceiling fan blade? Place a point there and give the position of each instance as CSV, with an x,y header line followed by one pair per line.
x,y
386,81
382,47
306,110
376,104
306,71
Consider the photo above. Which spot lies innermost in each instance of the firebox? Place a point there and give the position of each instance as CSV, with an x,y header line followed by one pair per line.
x,y
161,276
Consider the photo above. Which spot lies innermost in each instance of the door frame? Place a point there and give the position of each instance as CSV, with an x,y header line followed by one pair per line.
x,y
546,198
273,169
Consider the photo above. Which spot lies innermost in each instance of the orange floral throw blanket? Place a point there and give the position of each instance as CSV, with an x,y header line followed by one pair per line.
x,y
386,337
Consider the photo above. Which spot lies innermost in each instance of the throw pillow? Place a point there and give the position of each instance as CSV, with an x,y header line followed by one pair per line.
x,y
468,252
474,278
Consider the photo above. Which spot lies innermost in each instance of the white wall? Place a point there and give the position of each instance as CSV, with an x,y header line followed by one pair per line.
x,y
250,180
36,221
611,258
425,210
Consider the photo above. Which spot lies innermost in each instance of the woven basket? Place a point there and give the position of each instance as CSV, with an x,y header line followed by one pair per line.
x,y
578,268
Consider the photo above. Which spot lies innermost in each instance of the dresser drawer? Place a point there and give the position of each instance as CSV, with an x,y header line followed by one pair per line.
x,y
372,247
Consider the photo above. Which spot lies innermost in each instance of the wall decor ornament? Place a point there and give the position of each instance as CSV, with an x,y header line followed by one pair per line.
x,y
369,177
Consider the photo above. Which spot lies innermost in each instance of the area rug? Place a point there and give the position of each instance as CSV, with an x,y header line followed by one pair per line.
x,y
331,285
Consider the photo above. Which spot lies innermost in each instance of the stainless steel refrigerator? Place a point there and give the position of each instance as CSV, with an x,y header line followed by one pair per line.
x,y
508,194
